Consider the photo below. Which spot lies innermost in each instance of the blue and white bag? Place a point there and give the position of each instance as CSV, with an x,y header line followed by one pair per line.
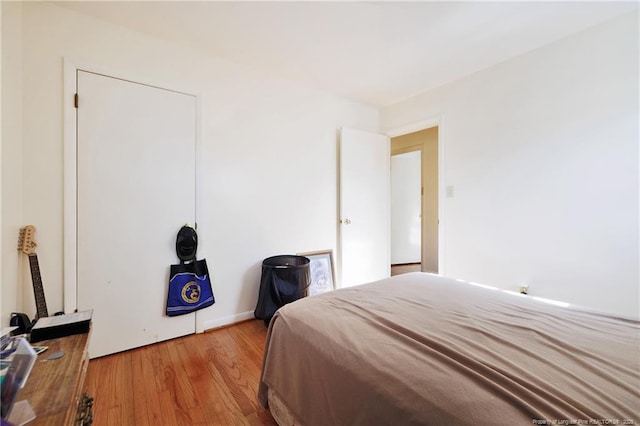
x,y
189,288
189,283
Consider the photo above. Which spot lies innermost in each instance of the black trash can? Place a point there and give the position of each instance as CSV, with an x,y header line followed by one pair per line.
x,y
285,278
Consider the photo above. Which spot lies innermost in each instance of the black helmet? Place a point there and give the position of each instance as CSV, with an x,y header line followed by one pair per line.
x,y
187,243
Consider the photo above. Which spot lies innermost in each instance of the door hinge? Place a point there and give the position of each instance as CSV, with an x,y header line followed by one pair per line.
x,y
75,100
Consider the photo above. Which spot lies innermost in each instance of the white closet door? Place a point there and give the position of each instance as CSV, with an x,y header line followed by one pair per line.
x,y
136,188
406,208
365,167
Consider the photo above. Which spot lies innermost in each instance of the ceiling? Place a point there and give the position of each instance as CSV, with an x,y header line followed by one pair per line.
x,y
375,52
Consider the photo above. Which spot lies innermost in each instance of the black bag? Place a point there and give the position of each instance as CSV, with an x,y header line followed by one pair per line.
x,y
189,288
285,278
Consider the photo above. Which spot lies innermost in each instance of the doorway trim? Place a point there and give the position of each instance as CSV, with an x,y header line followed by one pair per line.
x,y
70,167
434,121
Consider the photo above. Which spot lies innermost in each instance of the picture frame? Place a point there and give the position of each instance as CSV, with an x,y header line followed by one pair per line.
x,y
323,277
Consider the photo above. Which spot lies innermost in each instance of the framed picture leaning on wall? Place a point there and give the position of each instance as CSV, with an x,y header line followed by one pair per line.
x,y
322,271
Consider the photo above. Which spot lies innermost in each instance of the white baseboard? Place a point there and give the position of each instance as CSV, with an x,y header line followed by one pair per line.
x,y
228,320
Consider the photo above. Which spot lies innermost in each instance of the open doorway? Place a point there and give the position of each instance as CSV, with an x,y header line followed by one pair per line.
x,y
414,202
406,212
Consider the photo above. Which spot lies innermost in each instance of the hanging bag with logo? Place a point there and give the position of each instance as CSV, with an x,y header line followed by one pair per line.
x,y
189,281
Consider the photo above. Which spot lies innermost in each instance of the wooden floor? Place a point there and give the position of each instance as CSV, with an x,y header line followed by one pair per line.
x,y
404,268
202,379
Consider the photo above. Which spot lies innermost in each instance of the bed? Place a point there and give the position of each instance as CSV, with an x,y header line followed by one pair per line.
x,y
423,349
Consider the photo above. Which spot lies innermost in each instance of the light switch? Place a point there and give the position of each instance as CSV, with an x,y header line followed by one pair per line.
x,y
449,191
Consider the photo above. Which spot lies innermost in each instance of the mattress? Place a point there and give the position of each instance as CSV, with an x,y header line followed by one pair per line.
x,y
423,349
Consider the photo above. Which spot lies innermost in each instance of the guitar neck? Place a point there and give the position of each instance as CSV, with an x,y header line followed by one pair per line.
x,y
38,290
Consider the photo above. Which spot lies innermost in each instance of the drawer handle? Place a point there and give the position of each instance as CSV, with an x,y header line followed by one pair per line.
x,y
85,408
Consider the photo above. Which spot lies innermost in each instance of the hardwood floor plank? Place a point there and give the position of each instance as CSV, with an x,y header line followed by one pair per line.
x,y
166,410
405,268
145,394
128,402
113,415
202,379
253,336
237,371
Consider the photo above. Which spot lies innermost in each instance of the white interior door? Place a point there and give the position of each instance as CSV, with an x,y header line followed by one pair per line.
x,y
136,188
364,207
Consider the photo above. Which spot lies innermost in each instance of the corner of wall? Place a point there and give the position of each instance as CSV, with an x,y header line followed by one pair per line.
x,y
10,158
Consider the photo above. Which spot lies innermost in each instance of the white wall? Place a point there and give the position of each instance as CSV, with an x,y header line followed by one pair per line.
x,y
11,162
269,150
542,152
406,225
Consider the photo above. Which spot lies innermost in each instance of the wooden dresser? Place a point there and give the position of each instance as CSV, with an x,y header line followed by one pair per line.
x,y
55,388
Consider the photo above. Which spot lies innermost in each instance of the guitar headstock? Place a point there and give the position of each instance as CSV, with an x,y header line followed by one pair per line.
x,y
26,241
